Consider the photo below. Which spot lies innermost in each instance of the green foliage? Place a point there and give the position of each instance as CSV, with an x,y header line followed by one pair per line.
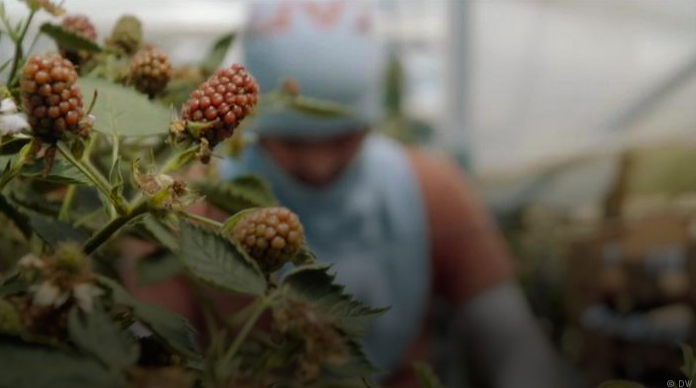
x,y
689,367
427,376
217,53
218,262
620,384
69,39
241,193
23,366
124,111
96,333
313,283
174,330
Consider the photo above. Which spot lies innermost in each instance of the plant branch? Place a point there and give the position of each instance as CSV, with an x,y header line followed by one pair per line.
x,y
95,176
18,49
70,194
246,329
114,225
202,220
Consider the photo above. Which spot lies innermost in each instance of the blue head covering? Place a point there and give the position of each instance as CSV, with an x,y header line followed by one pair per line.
x,y
329,48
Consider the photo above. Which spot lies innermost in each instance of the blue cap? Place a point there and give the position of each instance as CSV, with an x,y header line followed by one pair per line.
x,y
329,48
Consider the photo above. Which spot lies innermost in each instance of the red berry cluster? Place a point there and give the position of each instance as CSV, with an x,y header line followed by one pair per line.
x,y
51,99
271,236
224,100
150,70
82,26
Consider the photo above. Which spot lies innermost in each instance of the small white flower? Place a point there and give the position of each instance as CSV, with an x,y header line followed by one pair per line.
x,y
13,123
84,294
8,106
46,294
30,261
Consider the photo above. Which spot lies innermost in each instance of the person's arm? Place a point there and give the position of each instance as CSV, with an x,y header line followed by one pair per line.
x,y
473,272
504,336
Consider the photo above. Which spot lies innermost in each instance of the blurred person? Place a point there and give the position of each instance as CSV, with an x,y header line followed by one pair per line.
x,y
400,227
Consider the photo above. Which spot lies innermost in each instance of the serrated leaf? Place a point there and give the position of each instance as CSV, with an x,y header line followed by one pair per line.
x,y
238,194
357,364
315,284
218,262
426,376
96,334
172,329
124,111
61,173
217,53
23,366
620,384
68,39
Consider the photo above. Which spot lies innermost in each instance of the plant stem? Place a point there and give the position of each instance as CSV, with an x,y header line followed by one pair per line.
x,y
67,202
250,323
202,220
95,176
18,49
114,225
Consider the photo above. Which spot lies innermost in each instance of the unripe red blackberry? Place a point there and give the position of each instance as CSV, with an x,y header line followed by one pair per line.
x,y
224,100
150,70
51,99
82,26
271,236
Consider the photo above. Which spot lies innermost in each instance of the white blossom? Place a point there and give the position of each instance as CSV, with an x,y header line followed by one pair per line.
x,y
47,294
30,261
13,123
84,294
8,106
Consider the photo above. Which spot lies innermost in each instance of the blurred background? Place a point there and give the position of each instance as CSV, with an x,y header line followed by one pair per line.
x,y
576,118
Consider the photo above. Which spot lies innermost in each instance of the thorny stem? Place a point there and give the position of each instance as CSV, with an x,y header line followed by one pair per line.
x,y
114,225
18,49
95,176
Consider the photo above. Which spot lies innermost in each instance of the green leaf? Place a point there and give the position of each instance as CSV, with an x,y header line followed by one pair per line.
x,y
68,39
357,365
12,146
158,268
170,328
159,232
53,231
217,53
241,193
230,223
426,376
620,384
316,107
13,284
218,262
23,366
689,367
124,111
96,334
315,284
61,173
